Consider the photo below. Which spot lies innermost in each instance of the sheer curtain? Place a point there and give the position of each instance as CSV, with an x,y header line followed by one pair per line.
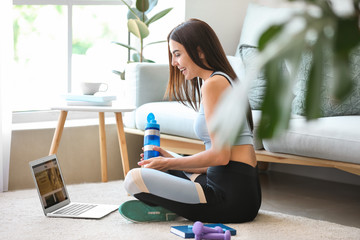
x,y
6,59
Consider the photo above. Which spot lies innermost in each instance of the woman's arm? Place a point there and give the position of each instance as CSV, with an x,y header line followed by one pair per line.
x,y
166,154
192,163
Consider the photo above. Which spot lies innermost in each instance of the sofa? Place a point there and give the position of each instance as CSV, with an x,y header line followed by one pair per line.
x,y
330,141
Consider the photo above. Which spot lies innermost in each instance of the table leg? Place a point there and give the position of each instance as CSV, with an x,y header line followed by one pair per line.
x,y
58,132
122,143
103,154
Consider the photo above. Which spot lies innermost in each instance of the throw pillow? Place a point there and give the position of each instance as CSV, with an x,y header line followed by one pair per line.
x,y
258,86
257,89
329,107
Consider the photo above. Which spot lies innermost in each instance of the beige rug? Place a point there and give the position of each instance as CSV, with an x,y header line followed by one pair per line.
x,y
21,217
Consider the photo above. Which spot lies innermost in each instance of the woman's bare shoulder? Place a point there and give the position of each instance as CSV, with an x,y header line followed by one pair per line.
x,y
215,84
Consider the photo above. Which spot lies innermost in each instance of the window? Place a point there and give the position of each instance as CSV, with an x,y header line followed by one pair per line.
x,y
59,43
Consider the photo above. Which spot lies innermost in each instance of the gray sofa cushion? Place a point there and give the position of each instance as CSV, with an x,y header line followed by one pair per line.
x,y
332,138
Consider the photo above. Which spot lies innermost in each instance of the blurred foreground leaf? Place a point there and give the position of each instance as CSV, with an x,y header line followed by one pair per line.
x,y
326,37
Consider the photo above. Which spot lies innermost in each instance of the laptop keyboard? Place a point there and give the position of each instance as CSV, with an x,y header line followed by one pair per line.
x,y
75,209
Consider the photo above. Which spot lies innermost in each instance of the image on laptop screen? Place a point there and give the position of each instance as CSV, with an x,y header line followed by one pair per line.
x,y
50,183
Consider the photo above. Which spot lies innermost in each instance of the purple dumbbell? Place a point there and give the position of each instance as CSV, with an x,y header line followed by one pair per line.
x,y
200,230
218,236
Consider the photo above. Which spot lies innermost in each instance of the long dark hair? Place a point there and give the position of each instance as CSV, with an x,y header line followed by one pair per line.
x,y
195,34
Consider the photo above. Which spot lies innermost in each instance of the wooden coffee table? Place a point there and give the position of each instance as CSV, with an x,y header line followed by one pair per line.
x,y
117,110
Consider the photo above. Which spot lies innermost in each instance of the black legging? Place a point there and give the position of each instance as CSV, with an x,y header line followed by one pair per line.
x,y
233,195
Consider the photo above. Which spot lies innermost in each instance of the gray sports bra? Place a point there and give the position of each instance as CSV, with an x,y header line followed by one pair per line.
x,y
200,128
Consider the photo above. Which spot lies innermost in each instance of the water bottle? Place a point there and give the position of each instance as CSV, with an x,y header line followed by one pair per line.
x,y
151,137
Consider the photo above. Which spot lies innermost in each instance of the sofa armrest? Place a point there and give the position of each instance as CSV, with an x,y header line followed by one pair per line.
x,y
144,83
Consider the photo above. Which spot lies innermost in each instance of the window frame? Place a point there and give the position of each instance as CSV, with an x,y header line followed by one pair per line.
x,y
51,115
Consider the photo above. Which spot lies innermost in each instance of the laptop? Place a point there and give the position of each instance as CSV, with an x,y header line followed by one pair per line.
x,y
54,197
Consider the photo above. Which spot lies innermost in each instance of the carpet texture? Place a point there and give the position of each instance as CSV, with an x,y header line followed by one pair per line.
x,y
21,217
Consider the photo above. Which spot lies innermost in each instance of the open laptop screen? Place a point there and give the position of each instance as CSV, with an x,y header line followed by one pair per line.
x,y
50,183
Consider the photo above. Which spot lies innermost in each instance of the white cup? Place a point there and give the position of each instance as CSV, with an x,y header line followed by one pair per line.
x,y
90,88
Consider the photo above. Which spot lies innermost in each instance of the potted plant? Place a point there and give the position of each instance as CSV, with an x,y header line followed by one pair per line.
x,y
138,25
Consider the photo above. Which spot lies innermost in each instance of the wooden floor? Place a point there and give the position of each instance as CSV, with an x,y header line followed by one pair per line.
x,y
312,198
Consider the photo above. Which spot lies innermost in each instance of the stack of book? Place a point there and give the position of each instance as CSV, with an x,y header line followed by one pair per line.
x,y
88,100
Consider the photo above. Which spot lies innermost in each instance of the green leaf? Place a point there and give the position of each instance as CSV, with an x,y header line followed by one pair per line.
x,y
131,10
268,35
277,101
276,107
152,43
158,16
136,14
138,28
348,27
315,82
126,46
328,37
148,60
142,5
347,37
121,74
343,83
136,57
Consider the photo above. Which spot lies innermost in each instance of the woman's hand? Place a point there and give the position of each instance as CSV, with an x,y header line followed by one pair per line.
x,y
158,163
162,152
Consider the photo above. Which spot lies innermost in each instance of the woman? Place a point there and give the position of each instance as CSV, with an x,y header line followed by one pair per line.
x,y
213,185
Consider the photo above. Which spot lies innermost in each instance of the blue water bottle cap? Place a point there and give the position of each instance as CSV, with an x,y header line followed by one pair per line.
x,y
151,122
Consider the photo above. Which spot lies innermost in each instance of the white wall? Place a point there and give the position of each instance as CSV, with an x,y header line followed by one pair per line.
x,y
225,17
78,153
